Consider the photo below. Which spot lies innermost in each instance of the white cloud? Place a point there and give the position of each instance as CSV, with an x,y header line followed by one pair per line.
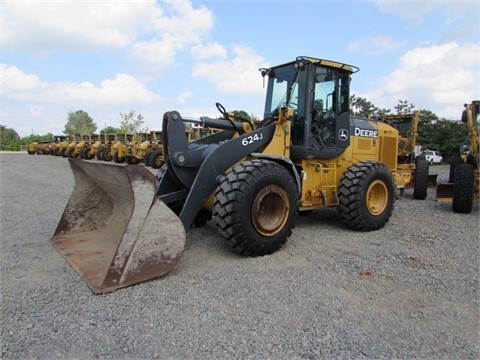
x,y
184,96
239,75
376,45
46,26
439,78
208,51
153,33
123,89
13,79
31,104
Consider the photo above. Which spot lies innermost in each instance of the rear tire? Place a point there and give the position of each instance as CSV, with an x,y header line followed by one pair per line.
x,y
366,196
463,189
453,164
420,182
255,207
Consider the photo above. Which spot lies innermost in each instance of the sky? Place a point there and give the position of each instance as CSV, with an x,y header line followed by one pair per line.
x,y
109,57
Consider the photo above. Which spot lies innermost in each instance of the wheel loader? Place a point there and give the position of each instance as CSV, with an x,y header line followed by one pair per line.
x,y
463,188
250,182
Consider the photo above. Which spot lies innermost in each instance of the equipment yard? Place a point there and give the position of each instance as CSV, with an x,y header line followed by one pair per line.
x,y
409,290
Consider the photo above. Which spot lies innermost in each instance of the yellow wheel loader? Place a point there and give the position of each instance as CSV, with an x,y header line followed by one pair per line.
x,y
307,153
463,187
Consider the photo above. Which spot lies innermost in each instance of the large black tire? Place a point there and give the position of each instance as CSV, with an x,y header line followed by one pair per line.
x,y
255,207
107,155
82,153
420,181
118,159
146,159
71,153
463,189
366,196
131,160
457,160
155,159
100,154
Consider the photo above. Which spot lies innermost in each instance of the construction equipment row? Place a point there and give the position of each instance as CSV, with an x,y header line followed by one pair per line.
x,y
118,147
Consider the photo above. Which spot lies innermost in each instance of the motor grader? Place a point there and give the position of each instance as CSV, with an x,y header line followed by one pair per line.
x,y
59,141
120,148
96,141
307,153
39,148
463,188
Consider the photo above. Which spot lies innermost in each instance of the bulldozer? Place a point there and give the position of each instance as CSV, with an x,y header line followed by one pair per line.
x,y
250,182
463,187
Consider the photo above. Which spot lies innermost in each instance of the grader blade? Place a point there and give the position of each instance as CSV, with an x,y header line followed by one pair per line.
x,y
445,193
114,231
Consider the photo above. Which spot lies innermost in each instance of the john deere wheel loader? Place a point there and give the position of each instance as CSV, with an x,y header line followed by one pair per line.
x,y
308,153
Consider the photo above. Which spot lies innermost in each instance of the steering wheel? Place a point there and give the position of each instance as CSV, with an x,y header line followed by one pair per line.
x,y
221,109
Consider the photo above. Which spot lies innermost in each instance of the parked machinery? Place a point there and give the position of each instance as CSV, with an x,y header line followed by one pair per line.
x,y
307,153
463,188
122,146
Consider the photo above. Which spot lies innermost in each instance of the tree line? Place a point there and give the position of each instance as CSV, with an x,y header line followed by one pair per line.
x,y
435,133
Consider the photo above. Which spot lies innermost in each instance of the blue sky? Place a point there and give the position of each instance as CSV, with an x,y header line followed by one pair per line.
x,y
110,57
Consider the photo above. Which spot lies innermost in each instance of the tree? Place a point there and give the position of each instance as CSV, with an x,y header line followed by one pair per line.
x,y
79,122
110,130
9,139
131,122
363,108
404,107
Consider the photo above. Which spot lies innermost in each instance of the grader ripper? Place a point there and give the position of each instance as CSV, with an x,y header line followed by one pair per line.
x,y
308,153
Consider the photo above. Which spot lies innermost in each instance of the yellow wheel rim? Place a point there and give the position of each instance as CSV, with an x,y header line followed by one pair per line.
x,y
270,210
377,197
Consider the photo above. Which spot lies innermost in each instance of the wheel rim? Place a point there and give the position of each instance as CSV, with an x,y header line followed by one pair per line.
x,y
270,210
377,197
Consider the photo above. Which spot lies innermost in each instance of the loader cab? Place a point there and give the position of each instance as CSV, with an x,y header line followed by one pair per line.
x,y
318,91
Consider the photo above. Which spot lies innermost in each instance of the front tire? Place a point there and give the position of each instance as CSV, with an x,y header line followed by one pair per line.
x,y
155,160
420,182
366,196
255,207
463,189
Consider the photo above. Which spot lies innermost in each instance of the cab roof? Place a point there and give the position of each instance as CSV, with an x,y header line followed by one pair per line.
x,y
324,62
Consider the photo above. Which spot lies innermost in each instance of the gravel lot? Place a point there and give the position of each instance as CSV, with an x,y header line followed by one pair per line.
x,y
407,291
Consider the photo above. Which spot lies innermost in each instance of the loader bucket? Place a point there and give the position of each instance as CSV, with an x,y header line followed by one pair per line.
x,y
445,193
114,231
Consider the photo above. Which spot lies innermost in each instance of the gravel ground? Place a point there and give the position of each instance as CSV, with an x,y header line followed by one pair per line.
x,y
407,291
